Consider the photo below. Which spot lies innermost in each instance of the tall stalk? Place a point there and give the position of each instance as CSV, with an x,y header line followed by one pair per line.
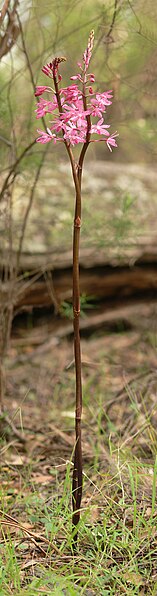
x,y
76,108
77,470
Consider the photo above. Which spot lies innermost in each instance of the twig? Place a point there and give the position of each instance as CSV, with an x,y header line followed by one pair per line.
x,y
13,168
6,141
25,51
8,40
29,208
4,10
7,419
9,520
123,392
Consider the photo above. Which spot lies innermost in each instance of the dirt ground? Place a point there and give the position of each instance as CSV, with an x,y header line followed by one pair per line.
x,y
119,389
118,425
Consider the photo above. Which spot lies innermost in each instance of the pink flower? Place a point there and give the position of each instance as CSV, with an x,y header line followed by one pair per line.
x,y
73,135
45,137
100,128
41,89
71,93
91,78
111,141
44,106
76,77
47,70
100,102
57,125
75,113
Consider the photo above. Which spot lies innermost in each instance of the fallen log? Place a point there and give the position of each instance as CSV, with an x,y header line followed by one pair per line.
x,y
143,252
103,279
130,316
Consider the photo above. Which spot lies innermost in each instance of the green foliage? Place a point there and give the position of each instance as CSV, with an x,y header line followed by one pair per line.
x,y
123,223
66,308
116,551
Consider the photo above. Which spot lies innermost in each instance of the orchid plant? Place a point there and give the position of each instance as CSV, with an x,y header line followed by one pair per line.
x,y
77,116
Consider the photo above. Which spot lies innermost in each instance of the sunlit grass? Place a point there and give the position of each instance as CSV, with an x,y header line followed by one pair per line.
x,y
117,550
117,533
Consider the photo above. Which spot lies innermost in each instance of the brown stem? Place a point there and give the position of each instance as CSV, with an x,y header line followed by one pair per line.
x,y
87,141
77,471
77,176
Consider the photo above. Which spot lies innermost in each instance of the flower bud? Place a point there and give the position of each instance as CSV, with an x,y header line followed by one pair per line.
x,y
92,78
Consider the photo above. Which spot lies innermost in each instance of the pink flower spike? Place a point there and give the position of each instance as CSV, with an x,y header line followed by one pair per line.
x,y
51,69
88,52
74,107
111,141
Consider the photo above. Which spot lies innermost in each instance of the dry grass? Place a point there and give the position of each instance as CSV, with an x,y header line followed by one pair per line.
x,y
117,532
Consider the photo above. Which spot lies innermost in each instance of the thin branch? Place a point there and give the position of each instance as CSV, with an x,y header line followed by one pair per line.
x,y
6,141
13,152
25,52
29,207
136,16
8,40
4,10
109,32
25,151
115,12
13,168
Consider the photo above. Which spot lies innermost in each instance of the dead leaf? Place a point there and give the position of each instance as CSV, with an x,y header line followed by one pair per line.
x,y
132,577
42,478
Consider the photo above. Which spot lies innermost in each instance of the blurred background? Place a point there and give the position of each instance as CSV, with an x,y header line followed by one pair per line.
x,y
124,59
118,283
119,188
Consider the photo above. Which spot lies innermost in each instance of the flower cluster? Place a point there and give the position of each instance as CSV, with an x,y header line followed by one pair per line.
x,y
73,109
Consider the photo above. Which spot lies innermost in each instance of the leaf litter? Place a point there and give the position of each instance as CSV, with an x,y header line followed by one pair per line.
x,y
118,431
